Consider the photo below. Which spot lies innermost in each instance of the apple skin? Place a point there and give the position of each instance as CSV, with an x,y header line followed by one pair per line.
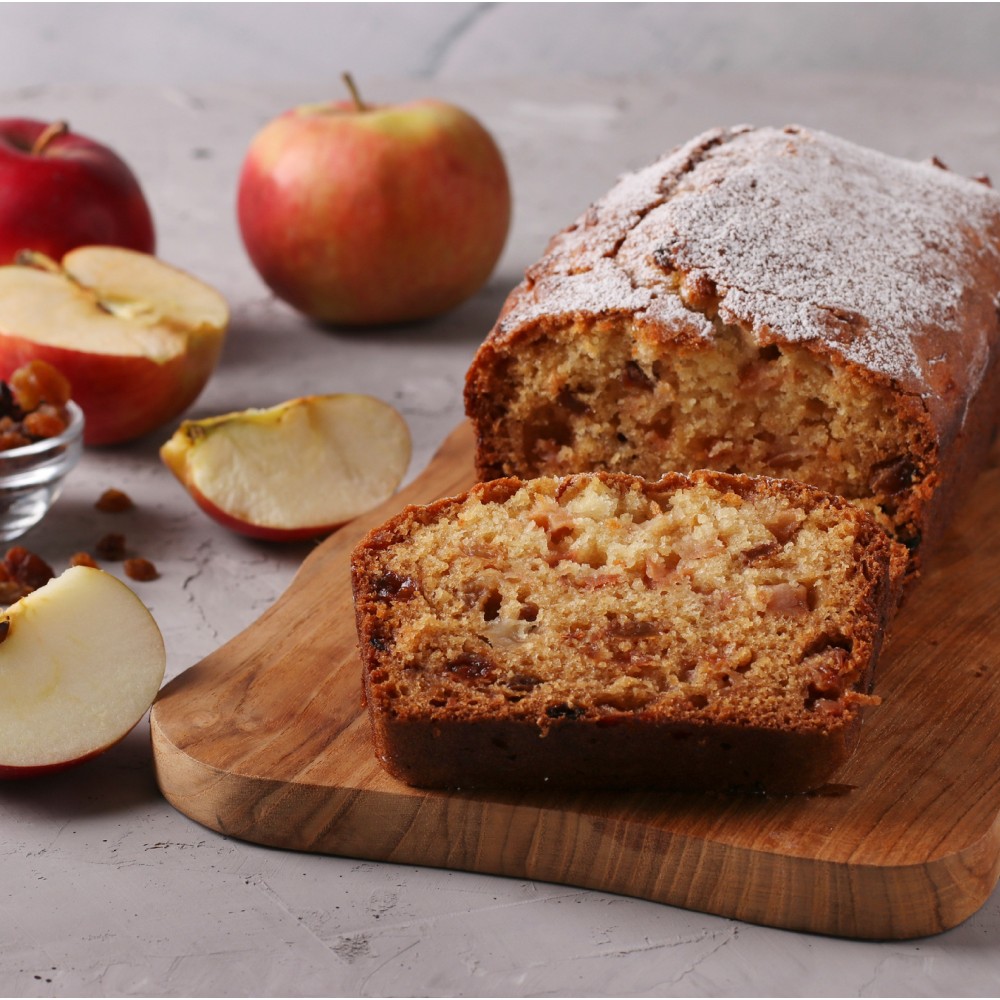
x,y
321,460
360,216
260,532
10,773
75,191
123,397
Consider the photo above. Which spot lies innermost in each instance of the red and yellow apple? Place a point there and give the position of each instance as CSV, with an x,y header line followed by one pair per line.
x,y
60,190
293,471
359,215
137,338
81,660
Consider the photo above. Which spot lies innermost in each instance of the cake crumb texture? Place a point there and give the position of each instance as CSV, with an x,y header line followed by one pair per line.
x,y
670,628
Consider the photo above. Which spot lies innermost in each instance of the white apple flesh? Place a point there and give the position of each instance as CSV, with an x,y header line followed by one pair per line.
x,y
137,338
296,470
81,662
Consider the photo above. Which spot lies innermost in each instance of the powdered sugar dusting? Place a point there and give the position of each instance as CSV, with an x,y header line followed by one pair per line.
x,y
668,312
599,291
809,237
806,237
602,228
578,273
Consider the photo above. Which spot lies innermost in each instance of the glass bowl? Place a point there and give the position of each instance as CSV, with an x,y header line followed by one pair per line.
x,y
31,477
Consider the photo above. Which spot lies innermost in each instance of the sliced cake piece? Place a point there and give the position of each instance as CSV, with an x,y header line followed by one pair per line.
x,y
599,631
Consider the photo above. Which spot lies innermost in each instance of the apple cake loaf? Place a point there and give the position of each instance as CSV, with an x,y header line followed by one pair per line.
x,y
767,301
596,631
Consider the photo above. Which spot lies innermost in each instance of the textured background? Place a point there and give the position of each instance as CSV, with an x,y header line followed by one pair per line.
x,y
311,43
107,891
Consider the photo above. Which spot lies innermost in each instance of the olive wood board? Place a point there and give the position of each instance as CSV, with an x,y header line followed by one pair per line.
x,y
266,740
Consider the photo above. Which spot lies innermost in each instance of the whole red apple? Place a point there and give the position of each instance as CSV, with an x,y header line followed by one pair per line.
x,y
60,190
362,215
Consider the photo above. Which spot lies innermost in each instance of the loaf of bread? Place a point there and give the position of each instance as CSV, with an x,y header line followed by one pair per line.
x,y
766,301
600,631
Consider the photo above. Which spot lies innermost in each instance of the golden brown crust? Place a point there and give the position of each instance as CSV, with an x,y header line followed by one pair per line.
x,y
488,732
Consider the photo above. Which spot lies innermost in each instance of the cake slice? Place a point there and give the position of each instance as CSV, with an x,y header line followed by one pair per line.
x,y
776,302
600,631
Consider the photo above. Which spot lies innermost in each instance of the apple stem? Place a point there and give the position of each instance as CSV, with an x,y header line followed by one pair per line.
x,y
51,131
355,93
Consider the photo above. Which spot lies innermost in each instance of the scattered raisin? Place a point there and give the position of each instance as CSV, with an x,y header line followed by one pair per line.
x,y
111,547
21,572
140,569
27,568
4,628
113,501
83,559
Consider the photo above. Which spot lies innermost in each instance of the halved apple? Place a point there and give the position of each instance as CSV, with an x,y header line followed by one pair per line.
x,y
296,470
81,660
137,338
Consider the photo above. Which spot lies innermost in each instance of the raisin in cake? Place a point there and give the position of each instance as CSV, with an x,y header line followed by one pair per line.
x,y
601,631
764,301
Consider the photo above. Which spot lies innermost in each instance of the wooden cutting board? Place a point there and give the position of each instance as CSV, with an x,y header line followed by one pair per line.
x,y
266,740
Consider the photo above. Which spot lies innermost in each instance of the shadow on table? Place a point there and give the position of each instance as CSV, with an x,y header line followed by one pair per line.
x,y
115,782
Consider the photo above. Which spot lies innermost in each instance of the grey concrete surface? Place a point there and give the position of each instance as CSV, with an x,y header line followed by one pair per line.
x,y
163,43
107,891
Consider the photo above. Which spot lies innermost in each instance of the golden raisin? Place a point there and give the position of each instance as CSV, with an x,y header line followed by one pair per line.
x,y
47,421
33,405
12,439
83,559
140,569
39,382
114,501
111,546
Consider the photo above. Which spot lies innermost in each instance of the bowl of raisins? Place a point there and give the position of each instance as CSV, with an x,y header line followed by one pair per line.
x,y
41,440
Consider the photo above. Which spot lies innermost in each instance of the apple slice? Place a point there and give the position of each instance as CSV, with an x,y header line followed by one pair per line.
x,y
137,338
296,470
81,660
